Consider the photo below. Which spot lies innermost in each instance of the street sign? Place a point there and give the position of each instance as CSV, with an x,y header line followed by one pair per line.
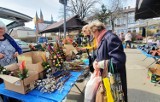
x,y
63,2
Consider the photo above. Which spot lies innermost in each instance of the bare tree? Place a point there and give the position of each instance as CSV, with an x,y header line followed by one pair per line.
x,y
108,13
115,10
81,7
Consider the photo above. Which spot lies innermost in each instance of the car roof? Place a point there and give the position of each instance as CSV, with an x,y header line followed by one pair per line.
x,y
16,18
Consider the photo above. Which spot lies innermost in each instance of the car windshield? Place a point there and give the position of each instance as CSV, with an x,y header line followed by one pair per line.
x,y
21,42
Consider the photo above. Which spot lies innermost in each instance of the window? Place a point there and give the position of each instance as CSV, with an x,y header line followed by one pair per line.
x,y
152,27
131,20
118,21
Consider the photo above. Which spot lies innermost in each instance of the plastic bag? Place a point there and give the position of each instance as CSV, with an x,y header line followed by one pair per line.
x,y
92,86
108,90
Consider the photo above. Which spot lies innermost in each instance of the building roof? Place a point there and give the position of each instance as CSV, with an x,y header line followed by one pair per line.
x,y
71,23
49,22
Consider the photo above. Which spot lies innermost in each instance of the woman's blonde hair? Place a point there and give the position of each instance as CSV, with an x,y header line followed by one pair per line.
x,y
86,28
2,25
96,25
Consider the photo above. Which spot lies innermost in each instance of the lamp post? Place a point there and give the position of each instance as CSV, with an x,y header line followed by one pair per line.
x,y
64,2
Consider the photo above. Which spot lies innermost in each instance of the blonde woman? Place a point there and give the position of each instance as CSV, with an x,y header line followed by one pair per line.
x,y
92,42
91,46
109,49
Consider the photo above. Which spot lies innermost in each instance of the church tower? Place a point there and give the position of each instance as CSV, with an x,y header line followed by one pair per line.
x,y
36,18
41,16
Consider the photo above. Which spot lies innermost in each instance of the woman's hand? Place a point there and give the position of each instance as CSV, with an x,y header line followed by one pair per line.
x,y
80,49
1,55
15,55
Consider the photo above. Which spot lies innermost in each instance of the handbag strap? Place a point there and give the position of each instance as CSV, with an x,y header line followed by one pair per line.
x,y
111,67
105,70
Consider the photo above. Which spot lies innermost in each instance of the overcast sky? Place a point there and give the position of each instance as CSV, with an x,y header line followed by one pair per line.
x,y
48,7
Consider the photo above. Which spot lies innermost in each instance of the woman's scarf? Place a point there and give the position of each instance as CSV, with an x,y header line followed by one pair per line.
x,y
100,36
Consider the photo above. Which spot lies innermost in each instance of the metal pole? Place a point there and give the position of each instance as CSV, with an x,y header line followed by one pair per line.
x,y
37,32
147,33
65,3
46,38
59,33
127,22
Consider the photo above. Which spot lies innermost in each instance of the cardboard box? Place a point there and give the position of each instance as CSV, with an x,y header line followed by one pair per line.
x,y
70,51
33,60
157,66
14,83
155,71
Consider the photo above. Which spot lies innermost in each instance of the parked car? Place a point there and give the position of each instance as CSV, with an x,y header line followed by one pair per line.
x,y
24,46
42,40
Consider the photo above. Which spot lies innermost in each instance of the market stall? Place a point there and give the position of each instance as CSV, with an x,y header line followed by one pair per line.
x,y
43,75
149,54
152,51
37,96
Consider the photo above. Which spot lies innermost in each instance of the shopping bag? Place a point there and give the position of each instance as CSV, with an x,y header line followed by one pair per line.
x,y
108,90
111,73
92,86
101,95
115,84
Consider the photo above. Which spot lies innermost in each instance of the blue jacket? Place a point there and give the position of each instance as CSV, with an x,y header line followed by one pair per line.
x,y
13,43
111,48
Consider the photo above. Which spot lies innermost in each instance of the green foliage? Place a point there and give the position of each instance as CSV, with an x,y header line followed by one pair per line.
x,y
60,53
46,65
81,35
4,71
23,74
58,56
103,14
84,42
39,47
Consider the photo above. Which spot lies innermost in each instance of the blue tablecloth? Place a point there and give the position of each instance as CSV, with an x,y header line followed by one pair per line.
x,y
36,96
149,55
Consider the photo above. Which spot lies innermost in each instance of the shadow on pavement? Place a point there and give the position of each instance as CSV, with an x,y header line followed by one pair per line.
x,y
135,95
75,98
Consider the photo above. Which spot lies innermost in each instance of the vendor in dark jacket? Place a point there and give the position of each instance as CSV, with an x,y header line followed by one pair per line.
x,y
8,47
109,49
